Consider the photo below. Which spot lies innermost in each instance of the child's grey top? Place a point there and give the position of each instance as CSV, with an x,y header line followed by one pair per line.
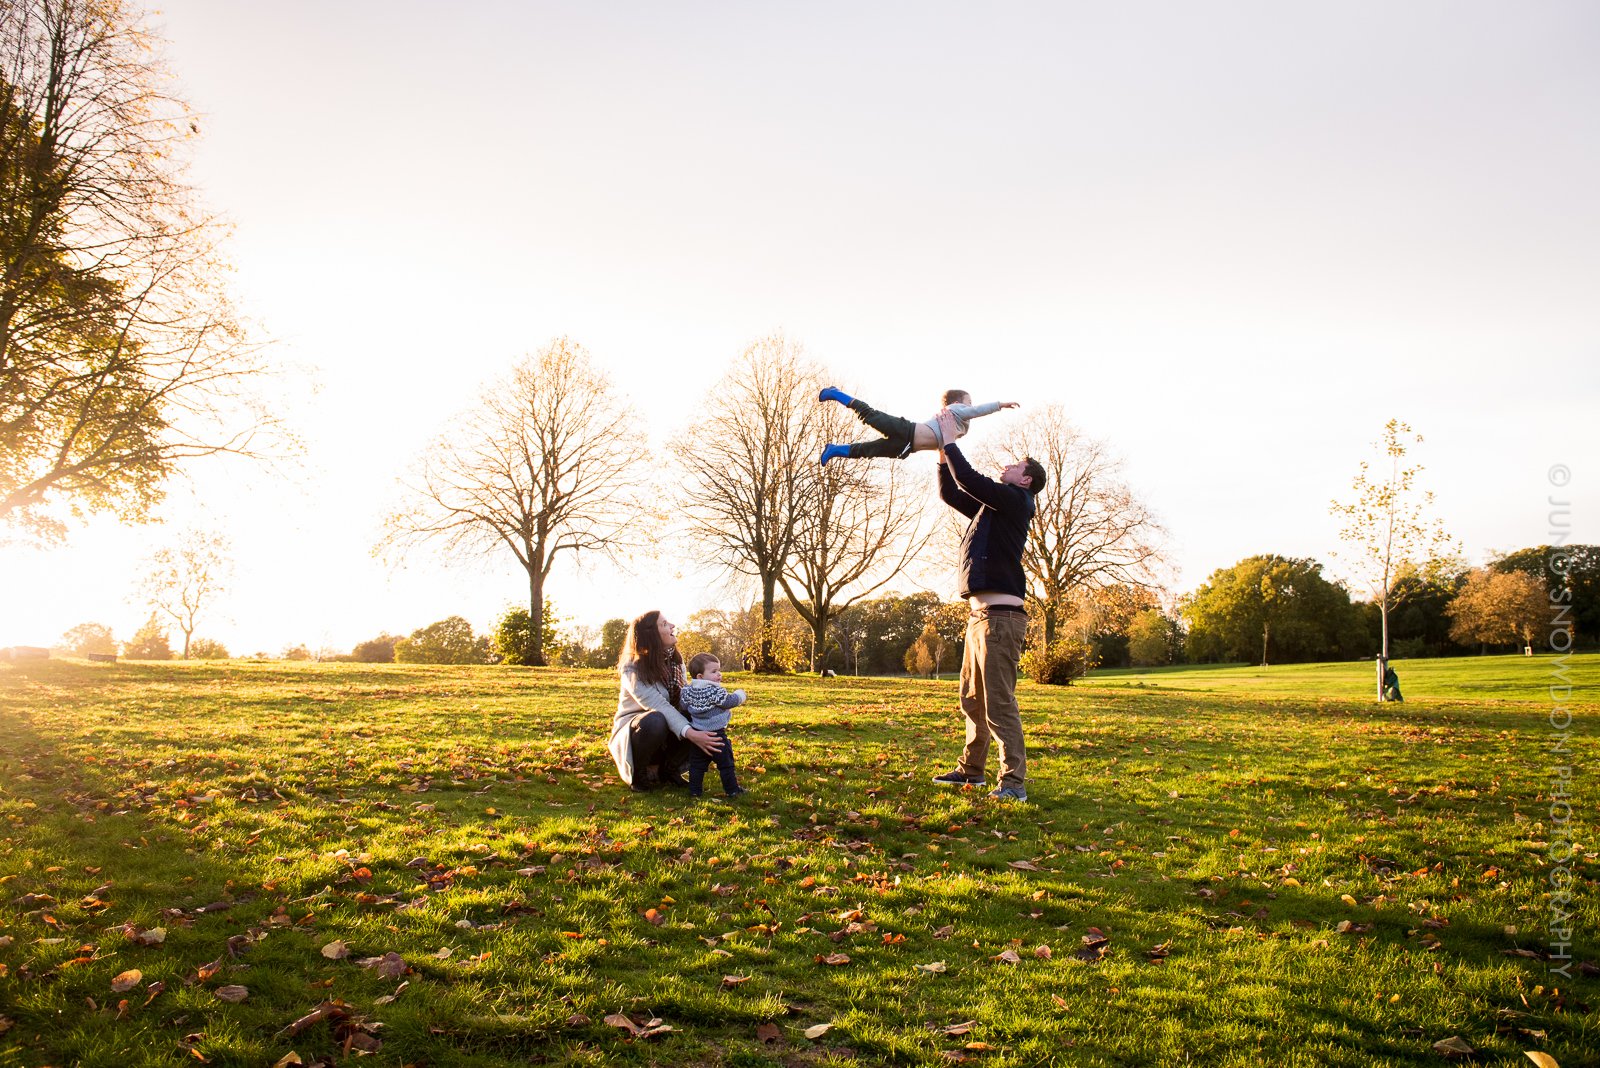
x,y
965,414
707,704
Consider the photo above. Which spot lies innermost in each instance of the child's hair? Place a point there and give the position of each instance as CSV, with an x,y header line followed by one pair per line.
x,y
698,663
956,396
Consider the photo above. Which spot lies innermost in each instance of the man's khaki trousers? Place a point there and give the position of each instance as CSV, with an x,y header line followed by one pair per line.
x,y
989,694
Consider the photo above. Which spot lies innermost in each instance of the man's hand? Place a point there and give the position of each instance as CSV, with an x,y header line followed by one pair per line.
x,y
947,430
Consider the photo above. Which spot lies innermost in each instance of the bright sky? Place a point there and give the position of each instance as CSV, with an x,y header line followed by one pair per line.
x,y
1231,238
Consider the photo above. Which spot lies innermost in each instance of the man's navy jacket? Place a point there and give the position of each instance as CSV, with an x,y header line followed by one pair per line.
x,y
999,513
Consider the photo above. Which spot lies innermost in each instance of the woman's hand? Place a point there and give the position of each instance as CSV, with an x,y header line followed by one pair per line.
x,y
708,741
1009,404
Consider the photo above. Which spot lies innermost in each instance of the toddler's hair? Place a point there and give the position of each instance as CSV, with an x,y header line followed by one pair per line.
x,y
698,662
955,396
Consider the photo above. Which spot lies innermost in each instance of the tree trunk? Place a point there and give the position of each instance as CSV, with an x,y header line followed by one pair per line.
x,y
534,653
764,659
1383,644
1266,634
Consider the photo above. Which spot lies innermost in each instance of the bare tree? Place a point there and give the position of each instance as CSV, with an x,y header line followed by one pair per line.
x,y
183,579
1388,526
857,525
539,467
1090,530
742,468
121,356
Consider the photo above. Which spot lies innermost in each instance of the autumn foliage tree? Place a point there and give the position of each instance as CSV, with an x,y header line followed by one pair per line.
x,y
184,579
1499,608
121,356
1387,524
540,468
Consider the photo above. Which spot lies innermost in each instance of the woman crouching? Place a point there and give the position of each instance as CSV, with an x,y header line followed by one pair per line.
x,y
650,738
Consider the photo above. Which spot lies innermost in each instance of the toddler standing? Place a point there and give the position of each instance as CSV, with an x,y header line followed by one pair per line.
x,y
707,705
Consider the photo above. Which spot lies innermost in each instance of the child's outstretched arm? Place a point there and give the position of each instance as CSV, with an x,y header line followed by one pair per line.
x,y
730,698
973,411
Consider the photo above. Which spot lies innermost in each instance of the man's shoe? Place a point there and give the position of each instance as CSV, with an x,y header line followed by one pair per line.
x,y
1009,793
956,778
830,393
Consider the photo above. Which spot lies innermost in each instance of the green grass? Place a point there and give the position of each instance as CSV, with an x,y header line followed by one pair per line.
x,y
1211,823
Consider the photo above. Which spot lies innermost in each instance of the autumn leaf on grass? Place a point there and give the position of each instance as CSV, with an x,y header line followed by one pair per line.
x,y
1095,945
127,980
1454,1046
769,1033
636,1030
833,959
946,931
1042,952
1008,957
729,981
232,994
817,1031
956,1030
1160,952
1543,1060
336,950
1024,865
938,967
390,965
288,1060
655,917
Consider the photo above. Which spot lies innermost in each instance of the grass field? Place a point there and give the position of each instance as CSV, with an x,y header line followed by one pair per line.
x,y
232,863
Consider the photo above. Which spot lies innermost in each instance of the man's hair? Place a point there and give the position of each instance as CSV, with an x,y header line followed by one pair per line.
x,y
1036,476
954,396
699,661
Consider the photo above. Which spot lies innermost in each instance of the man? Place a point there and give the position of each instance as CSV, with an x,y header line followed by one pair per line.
x,y
993,583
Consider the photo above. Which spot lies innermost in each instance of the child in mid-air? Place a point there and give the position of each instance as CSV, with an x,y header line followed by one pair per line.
x,y
707,705
902,437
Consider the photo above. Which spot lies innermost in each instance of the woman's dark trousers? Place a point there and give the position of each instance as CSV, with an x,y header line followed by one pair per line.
x,y
655,746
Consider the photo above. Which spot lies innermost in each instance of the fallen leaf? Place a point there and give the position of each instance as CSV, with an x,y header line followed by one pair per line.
x,y
1454,1046
127,980
814,1033
153,937
1348,900
1543,1060
1008,957
288,1060
1042,952
734,980
232,994
616,1019
957,1029
834,959
945,931
336,950
769,1033
938,967
1024,865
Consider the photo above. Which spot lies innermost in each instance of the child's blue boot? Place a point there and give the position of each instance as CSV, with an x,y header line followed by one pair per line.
x,y
830,393
832,452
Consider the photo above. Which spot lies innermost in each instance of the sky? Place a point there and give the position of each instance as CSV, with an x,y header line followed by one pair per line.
x,y
1230,239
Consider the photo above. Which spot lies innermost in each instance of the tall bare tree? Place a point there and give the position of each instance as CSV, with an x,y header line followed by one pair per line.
x,y
183,579
1090,530
1388,526
856,527
742,468
540,467
121,356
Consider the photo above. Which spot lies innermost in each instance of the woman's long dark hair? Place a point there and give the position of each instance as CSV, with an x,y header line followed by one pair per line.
x,y
652,661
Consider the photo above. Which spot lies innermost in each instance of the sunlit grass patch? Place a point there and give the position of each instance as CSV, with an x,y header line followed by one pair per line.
x,y
441,861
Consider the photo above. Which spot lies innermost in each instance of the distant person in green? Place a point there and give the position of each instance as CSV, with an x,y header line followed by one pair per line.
x,y
1391,684
902,437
